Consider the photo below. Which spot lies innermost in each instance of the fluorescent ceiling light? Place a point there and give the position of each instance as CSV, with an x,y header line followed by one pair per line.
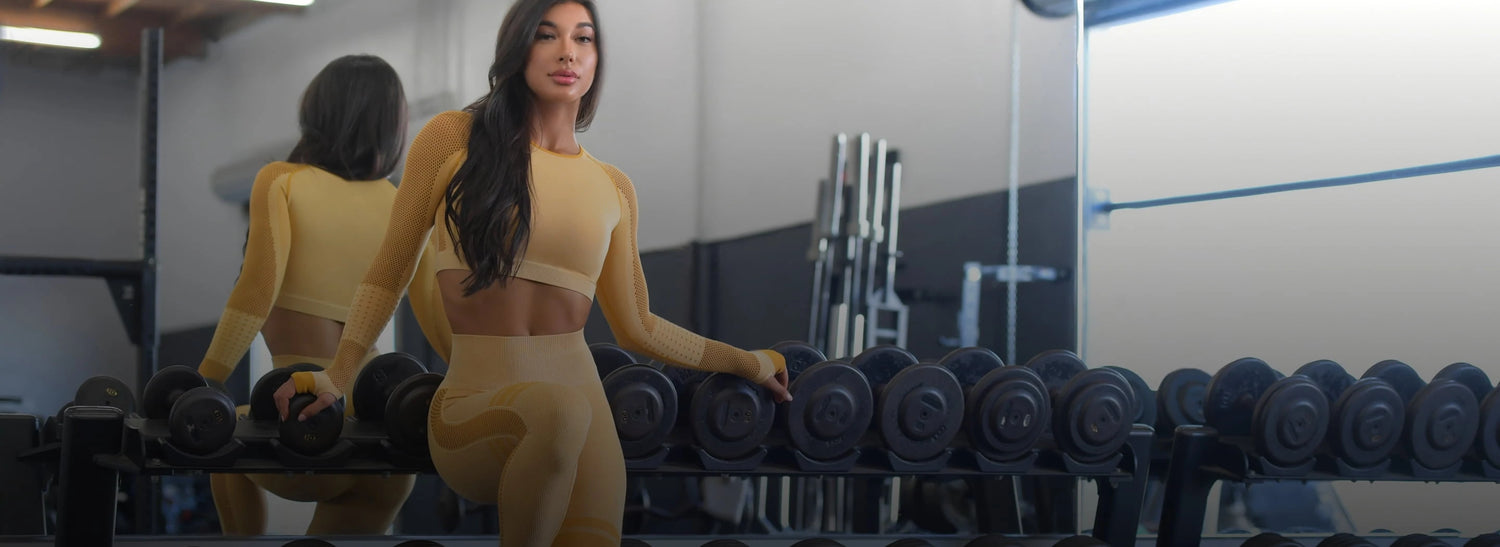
x,y
288,2
82,40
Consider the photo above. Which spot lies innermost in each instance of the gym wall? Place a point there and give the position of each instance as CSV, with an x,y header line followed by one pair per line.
x,y
69,147
1391,270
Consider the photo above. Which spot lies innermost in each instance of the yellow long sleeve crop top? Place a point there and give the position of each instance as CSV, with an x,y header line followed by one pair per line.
x,y
583,238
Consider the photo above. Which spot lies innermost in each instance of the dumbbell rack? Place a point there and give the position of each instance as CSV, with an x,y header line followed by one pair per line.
x,y
1200,457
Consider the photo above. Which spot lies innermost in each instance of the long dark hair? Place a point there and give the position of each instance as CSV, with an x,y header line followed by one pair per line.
x,y
353,119
489,198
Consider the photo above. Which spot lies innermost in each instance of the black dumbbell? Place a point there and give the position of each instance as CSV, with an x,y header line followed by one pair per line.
x,y
817,542
1484,540
1145,399
307,542
1345,540
910,542
1179,400
395,390
1285,417
1007,408
919,407
1442,417
201,419
95,391
831,406
1418,540
1080,541
642,399
1366,416
994,540
724,542
1487,443
313,436
608,357
419,543
1268,539
1091,408
729,416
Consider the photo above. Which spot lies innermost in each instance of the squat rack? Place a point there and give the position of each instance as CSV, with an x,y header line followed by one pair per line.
x,y
132,283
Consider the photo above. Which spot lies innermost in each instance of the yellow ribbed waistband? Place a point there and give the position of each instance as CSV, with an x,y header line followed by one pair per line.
x,y
482,361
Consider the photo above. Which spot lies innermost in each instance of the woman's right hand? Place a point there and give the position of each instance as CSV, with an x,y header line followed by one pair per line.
x,y
777,384
289,389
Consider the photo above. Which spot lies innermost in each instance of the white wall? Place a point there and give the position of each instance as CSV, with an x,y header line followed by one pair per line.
x,y
781,77
69,144
1266,91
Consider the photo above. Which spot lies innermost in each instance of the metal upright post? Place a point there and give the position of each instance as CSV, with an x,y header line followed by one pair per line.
x,y
150,97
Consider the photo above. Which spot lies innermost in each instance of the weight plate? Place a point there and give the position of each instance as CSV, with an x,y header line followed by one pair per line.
x,y
317,433
881,363
971,364
1489,428
1345,539
1484,540
1091,418
406,411
644,404
608,357
1367,421
1443,419
817,542
1418,540
105,391
377,379
1008,412
831,407
1468,375
994,540
263,395
165,387
1144,411
1329,376
730,416
1081,541
909,542
1402,377
1268,539
1290,421
1179,400
1056,367
799,356
308,542
202,420
919,412
1232,394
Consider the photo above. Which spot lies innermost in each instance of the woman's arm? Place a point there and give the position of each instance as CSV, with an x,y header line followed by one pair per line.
x,y
429,165
626,305
255,291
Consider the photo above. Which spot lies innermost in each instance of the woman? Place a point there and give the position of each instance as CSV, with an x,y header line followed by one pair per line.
x,y
315,224
529,228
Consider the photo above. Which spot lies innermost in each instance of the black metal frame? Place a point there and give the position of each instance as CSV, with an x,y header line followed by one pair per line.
x,y
132,283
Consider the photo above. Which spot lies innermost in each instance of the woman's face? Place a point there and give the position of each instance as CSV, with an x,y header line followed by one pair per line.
x,y
563,55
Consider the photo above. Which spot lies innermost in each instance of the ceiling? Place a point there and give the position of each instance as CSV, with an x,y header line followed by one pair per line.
x,y
190,25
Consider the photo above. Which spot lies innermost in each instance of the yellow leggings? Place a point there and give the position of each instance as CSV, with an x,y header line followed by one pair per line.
x,y
522,422
346,504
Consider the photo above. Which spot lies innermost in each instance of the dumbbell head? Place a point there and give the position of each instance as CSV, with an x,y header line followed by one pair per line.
x,y
644,404
1489,428
406,411
1399,375
608,357
725,542
1269,539
377,379
881,363
1329,376
910,542
1179,400
1366,422
993,540
165,387
1144,410
1469,376
1232,394
1080,541
919,412
730,416
1345,540
1091,416
1056,367
318,432
1484,540
799,356
1290,421
307,542
105,391
1418,540
970,364
832,406
202,420
1442,420
817,542
263,395
1008,411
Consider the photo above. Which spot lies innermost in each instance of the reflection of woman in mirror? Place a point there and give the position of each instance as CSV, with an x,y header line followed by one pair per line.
x,y
315,223
529,228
